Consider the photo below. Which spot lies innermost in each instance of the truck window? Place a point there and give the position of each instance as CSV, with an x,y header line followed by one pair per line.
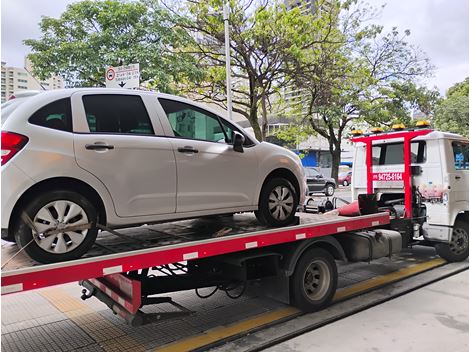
x,y
392,154
460,150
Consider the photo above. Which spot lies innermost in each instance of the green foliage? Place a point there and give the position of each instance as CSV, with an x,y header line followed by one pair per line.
x,y
264,38
292,135
358,72
91,35
451,114
394,103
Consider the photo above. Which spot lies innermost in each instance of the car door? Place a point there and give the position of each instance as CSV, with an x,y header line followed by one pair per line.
x,y
318,181
211,174
120,141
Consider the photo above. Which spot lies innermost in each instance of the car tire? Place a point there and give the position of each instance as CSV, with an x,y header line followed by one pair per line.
x,y
314,281
53,209
457,249
329,189
345,183
278,203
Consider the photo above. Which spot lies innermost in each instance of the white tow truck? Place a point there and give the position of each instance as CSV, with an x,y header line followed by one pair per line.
x,y
421,175
295,264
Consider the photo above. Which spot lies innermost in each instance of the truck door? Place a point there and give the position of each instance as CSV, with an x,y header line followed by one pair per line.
x,y
458,172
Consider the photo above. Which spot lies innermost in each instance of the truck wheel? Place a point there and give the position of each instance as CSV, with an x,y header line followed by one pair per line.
x,y
54,210
314,281
457,249
278,203
329,190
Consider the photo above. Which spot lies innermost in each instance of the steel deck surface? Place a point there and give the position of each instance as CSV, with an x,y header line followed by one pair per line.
x,y
147,246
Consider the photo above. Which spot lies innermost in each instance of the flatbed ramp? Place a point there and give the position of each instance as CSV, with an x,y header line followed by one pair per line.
x,y
56,319
149,246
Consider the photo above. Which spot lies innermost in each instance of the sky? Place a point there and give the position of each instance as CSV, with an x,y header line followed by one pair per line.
x,y
438,27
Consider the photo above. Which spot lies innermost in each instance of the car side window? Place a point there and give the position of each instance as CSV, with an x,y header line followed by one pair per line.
x,y
56,115
194,123
117,113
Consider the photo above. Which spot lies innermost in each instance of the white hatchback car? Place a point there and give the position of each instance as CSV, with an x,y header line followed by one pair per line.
x,y
123,158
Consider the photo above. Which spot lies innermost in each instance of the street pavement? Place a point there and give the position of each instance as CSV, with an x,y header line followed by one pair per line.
x,y
433,318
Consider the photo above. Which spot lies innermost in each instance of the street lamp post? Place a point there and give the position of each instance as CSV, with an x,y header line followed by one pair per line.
x,y
227,60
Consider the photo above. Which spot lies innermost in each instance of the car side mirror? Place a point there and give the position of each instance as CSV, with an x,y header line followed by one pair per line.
x,y
238,140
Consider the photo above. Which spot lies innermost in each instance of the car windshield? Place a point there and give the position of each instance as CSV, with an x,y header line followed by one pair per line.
x,y
10,106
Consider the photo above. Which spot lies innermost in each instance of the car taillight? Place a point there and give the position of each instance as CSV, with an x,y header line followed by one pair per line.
x,y
12,143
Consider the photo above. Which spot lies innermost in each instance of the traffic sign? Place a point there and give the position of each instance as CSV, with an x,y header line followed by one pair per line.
x,y
127,76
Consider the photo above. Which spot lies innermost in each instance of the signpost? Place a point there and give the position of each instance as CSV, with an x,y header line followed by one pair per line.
x,y
127,76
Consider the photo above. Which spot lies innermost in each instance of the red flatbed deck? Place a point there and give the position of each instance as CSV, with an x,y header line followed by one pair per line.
x,y
154,245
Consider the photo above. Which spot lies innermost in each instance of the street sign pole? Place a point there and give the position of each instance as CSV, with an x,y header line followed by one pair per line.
x,y
227,60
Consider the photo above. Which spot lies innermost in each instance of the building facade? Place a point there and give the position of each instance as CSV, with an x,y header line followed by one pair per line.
x,y
16,79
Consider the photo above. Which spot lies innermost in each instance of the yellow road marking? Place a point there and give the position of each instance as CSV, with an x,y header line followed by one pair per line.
x,y
244,326
387,278
222,332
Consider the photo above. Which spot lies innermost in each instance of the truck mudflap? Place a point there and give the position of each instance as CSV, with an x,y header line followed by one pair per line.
x,y
368,245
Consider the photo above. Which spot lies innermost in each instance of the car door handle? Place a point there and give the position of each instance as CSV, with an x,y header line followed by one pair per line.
x,y
187,149
98,146
458,177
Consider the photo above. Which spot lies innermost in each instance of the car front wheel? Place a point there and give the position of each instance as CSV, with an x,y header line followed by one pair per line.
x,y
56,210
345,183
278,203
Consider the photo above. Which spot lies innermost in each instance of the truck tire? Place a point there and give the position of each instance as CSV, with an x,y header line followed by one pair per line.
x,y
55,209
314,281
278,203
457,249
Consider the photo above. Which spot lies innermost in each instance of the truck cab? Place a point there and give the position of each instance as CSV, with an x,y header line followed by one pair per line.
x,y
438,181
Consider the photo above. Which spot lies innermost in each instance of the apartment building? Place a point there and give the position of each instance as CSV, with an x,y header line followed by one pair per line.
x,y
15,79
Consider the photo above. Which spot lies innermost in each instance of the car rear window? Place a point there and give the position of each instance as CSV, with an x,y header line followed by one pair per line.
x,y
56,115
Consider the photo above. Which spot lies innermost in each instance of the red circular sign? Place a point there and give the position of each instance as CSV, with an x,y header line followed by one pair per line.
x,y
110,74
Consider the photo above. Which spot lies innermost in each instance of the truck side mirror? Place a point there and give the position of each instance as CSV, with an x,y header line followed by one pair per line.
x,y
238,140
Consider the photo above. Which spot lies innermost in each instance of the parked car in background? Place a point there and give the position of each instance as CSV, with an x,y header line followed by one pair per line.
x,y
344,178
122,158
317,183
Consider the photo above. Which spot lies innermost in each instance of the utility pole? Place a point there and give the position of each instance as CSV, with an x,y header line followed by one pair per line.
x,y
227,59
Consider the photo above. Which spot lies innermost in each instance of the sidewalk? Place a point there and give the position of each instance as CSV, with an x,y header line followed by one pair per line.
x,y
434,318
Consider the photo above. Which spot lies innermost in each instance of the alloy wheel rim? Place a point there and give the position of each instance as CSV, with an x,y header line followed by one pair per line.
x,y
281,202
316,280
459,241
55,216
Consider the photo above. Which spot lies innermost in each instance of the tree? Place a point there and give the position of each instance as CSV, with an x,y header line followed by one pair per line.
x,y
396,102
451,114
263,37
343,76
91,35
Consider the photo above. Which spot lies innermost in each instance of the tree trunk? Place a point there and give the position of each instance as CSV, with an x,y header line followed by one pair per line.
x,y
255,124
264,126
335,150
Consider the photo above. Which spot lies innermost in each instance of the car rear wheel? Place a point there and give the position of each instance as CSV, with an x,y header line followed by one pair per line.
x,y
278,203
57,210
345,183
329,189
